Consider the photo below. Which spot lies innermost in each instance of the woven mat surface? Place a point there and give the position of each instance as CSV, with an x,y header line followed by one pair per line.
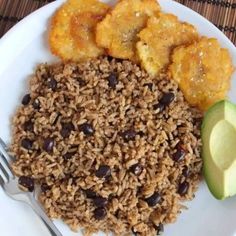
x,y
221,12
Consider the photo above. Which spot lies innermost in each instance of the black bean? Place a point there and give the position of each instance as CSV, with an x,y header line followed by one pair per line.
x,y
103,171
183,188
134,231
167,98
26,99
28,126
36,104
179,154
81,82
136,169
185,171
66,129
159,228
45,187
48,144
153,200
27,143
149,85
100,213
87,129
112,80
68,155
100,201
90,193
26,182
52,84
159,106
129,135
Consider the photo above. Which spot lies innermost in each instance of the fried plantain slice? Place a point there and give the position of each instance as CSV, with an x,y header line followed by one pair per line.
x,y
203,71
72,31
117,32
158,39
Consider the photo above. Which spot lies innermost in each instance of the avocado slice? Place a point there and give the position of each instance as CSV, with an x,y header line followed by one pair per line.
x,y
218,133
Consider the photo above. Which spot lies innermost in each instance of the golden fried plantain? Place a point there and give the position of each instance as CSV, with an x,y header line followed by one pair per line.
x,y
117,32
72,32
203,71
158,39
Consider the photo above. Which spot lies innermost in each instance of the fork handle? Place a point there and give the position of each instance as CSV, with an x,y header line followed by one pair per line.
x,y
46,220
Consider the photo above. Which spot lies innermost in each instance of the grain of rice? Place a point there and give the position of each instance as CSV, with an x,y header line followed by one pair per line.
x,y
110,112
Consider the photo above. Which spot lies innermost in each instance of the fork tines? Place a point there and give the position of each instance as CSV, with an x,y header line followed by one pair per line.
x,y
4,162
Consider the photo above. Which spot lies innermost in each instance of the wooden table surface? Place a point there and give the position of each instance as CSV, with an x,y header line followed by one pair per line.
x,y
222,13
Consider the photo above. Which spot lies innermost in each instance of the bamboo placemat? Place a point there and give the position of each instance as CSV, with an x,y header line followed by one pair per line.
x,y
221,12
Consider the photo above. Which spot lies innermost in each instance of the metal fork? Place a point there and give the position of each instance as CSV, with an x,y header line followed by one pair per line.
x,y
9,184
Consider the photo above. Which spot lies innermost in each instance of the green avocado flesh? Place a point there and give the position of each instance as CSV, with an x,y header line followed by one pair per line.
x,y
219,149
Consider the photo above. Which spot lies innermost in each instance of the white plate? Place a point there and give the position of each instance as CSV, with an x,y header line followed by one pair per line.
x,y
21,49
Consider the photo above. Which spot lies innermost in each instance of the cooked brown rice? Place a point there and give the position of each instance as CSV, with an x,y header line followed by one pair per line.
x,y
150,149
